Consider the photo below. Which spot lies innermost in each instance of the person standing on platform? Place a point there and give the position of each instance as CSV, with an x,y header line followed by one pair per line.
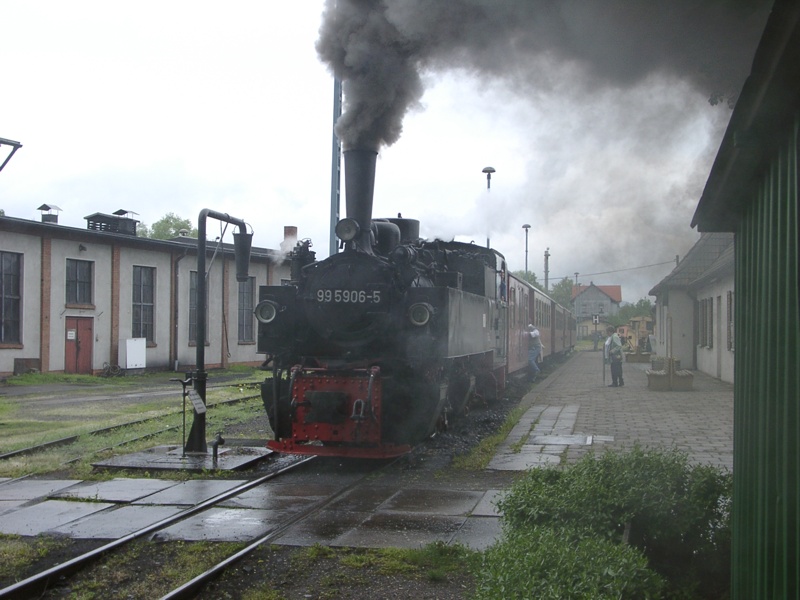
x,y
534,350
613,356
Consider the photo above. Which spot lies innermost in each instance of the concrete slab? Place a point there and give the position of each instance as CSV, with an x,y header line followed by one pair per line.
x,y
561,440
117,523
321,528
428,501
522,461
29,489
7,505
43,516
116,490
172,458
291,497
363,499
487,506
478,533
223,525
191,492
400,530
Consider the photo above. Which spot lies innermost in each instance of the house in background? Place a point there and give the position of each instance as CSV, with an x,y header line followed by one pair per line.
x,y
592,305
73,300
695,308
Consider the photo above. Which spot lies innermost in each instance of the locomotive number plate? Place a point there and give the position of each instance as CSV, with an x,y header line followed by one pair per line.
x,y
373,296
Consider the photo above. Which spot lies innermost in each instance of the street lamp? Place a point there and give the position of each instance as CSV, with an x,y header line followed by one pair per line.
x,y
488,171
526,227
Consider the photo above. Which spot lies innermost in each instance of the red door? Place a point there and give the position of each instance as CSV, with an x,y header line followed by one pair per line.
x,y
79,345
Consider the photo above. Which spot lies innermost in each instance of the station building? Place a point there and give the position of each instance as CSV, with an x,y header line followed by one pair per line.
x,y
75,300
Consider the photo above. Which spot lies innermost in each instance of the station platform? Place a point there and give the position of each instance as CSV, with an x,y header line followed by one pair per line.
x,y
568,414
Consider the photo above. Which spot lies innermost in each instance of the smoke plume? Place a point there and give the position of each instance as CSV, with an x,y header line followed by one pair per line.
x,y
381,49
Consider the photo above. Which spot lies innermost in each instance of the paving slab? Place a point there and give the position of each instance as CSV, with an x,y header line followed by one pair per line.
x,y
117,523
432,501
43,516
363,499
173,458
223,525
279,497
321,528
400,530
7,505
191,492
30,489
478,533
115,490
487,506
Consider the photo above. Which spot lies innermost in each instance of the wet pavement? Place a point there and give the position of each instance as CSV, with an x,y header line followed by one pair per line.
x,y
570,413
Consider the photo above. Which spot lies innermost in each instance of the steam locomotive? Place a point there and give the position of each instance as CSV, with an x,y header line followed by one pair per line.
x,y
375,347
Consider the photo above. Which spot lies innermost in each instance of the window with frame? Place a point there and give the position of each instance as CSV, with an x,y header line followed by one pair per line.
x,y
246,306
10,298
710,322
79,281
143,303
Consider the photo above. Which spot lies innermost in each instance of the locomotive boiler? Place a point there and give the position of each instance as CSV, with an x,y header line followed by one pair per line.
x,y
373,348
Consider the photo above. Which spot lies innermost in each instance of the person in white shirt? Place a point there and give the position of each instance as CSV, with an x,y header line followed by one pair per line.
x,y
534,350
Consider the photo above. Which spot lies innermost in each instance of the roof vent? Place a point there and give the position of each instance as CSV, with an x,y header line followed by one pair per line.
x,y
49,213
116,223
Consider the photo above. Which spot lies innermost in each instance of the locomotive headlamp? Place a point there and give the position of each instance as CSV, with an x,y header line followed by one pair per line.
x,y
347,229
266,311
420,313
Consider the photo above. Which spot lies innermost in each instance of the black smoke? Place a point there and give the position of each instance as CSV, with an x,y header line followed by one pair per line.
x,y
381,49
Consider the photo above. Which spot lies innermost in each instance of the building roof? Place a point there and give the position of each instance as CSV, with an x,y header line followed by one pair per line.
x,y
764,111
612,291
697,262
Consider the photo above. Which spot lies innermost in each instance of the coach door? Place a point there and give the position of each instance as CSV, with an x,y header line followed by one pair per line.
x,y
79,347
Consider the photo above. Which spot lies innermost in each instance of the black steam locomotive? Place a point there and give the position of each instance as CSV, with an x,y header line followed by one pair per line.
x,y
372,348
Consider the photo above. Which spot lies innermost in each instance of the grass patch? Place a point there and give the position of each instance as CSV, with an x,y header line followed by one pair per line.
x,y
148,570
18,554
90,448
480,455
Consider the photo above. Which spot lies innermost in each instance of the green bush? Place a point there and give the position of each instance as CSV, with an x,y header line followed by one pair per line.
x,y
553,564
677,514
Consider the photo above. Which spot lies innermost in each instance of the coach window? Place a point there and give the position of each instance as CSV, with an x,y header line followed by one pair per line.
x,y
143,303
80,283
10,298
246,316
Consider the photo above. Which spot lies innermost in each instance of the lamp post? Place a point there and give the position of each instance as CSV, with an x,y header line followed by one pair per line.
x,y
526,227
488,171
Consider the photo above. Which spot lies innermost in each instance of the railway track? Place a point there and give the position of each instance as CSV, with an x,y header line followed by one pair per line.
x,y
66,441
37,584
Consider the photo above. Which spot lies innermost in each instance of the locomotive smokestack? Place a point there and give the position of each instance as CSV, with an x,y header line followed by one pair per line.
x,y
359,178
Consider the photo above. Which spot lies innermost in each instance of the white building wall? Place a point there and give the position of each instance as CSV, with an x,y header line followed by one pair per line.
x,y
676,322
157,352
717,360
100,256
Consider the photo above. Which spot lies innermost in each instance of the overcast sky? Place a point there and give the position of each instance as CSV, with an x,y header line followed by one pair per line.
x,y
176,106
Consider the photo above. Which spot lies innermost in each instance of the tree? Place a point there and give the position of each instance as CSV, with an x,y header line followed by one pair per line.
x,y
167,227
643,308
562,292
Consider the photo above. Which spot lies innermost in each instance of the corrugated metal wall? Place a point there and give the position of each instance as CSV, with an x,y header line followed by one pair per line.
x,y
766,512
